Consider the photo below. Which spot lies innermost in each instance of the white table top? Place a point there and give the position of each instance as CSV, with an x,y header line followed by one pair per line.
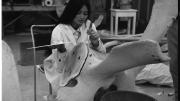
x,y
124,10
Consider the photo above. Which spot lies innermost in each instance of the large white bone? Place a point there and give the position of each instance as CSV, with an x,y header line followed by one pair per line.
x,y
98,70
10,81
163,13
129,55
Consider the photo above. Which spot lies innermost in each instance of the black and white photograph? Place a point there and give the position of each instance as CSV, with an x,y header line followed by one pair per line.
x,y
89,50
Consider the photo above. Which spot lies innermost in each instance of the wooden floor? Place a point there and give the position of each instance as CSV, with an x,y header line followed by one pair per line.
x,y
26,75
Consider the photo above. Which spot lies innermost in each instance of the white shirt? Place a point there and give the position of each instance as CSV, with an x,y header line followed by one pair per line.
x,y
65,33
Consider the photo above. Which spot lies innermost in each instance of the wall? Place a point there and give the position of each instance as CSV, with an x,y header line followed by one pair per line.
x,y
144,8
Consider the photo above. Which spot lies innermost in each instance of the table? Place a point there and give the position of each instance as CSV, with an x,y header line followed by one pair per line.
x,y
123,13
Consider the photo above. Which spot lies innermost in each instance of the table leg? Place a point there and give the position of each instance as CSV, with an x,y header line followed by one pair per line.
x,y
134,25
116,25
112,25
129,26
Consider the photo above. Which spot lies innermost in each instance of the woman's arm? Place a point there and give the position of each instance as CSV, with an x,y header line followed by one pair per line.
x,y
94,38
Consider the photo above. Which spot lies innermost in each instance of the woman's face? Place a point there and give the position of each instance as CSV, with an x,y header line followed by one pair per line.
x,y
81,16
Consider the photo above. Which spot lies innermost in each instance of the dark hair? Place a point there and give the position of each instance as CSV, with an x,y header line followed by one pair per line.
x,y
71,10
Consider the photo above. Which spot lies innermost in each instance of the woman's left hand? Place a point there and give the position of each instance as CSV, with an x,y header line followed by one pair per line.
x,y
93,35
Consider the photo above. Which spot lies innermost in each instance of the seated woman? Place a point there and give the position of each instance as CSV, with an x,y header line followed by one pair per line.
x,y
73,27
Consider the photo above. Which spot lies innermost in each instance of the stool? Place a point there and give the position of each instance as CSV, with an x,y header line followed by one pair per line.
x,y
123,13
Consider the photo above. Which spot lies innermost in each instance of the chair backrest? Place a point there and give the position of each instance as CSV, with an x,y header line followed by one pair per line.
x,y
41,35
39,39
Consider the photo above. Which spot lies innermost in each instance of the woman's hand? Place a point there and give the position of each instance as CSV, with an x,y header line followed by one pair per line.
x,y
93,36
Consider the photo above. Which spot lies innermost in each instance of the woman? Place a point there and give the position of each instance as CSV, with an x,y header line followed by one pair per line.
x,y
74,27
